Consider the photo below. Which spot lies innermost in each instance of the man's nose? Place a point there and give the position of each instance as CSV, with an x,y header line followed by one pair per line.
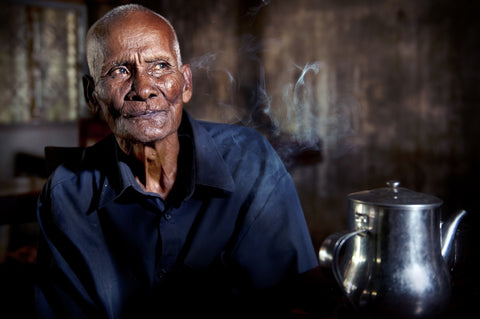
x,y
143,88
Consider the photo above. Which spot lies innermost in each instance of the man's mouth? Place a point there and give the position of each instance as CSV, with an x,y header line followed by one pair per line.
x,y
142,114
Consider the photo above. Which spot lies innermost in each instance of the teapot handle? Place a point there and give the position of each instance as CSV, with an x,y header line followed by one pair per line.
x,y
329,253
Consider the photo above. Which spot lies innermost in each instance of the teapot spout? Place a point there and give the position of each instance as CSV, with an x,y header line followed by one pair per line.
x,y
448,234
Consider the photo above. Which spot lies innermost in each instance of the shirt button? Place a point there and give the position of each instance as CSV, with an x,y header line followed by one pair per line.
x,y
161,273
168,216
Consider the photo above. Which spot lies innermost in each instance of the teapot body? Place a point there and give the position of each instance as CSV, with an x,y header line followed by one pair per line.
x,y
395,267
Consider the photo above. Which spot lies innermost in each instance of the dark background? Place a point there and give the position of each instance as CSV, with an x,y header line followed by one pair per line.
x,y
351,93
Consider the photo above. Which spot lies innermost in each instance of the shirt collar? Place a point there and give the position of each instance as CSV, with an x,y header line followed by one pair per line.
x,y
211,169
206,168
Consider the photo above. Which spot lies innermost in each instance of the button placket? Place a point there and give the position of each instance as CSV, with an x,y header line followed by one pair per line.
x,y
165,258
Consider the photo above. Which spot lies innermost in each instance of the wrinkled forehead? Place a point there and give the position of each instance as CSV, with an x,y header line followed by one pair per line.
x,y
140,29
144,31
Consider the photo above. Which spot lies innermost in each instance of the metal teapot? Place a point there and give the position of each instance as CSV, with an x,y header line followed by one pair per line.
x,y
394,260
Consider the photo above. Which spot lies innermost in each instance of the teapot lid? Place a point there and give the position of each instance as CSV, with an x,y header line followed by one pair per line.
x,y
393,195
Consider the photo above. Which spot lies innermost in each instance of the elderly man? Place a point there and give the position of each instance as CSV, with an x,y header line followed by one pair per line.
x,y
169,215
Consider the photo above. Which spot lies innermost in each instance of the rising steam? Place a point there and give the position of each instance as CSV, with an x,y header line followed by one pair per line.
x,y
307,116
301,106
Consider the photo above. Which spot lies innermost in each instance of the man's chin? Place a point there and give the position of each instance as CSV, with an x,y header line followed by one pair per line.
x,y
141,130
149,137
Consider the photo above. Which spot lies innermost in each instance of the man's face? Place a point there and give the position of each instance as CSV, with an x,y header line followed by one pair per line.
x,y
139,85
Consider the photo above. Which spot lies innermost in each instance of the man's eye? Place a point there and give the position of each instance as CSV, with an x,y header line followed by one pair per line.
x,y
119,70
160,66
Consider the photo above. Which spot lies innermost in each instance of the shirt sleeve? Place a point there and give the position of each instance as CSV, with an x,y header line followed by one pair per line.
x,y
59,292
276,244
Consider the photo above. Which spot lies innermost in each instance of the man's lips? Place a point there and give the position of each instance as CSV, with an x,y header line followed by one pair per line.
x,y
142,114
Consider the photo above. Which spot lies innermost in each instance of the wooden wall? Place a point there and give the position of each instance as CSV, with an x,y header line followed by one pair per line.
x,y
381,89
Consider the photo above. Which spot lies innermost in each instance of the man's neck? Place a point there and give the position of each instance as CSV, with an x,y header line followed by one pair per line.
x,y
157,169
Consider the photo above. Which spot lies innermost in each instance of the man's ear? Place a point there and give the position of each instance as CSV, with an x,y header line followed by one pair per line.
x,y
88,92
188,84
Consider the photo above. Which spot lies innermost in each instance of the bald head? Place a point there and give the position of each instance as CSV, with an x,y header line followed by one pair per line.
x,y
100,31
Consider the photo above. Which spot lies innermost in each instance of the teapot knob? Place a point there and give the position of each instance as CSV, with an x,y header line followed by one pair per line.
x,y
393,184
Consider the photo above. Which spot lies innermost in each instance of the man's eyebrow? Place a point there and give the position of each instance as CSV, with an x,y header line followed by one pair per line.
x,y
117,63
158,58
127,61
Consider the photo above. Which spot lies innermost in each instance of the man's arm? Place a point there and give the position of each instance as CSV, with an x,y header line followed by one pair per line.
x,y
276,249
59,292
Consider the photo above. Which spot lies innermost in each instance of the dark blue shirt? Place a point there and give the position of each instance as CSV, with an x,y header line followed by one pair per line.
x,y
231,227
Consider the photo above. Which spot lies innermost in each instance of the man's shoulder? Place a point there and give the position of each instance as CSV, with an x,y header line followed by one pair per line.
x,y
243,149
217,127
86,164
232,135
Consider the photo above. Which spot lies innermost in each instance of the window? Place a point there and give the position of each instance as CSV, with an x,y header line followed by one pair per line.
x,y
42,62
